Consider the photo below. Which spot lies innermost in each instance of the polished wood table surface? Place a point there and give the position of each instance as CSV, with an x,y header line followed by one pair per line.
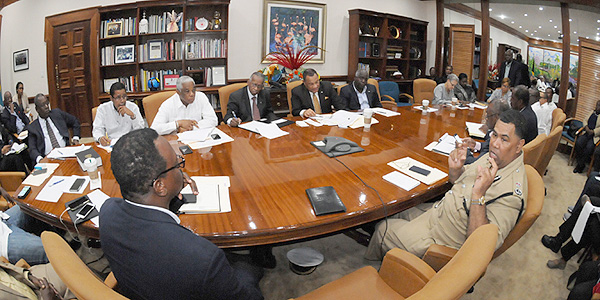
x,y
269,178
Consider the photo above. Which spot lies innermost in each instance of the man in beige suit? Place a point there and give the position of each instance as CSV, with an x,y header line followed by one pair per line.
x,y
491,190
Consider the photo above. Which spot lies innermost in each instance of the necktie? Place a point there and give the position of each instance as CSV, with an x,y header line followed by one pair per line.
x,y
51,135
255,112
316,104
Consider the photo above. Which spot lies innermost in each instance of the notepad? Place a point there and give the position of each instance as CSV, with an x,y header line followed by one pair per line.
x,y
474,130
401,180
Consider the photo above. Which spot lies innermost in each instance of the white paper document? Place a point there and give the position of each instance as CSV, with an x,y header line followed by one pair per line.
x,y
213,196
16,148
301,124
401,180
109,147
403,165
446,144
474,129
37,180
196,135
98,198
269,131
54,189
224,138
480,105
66,151
385,112
313,122
343,118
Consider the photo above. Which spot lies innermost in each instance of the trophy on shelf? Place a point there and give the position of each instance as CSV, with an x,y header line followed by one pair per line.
x,y
376,30
216,22
173,19
144,24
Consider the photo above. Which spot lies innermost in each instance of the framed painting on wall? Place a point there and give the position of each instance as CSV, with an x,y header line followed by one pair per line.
x,y
297,24
21,60
548,62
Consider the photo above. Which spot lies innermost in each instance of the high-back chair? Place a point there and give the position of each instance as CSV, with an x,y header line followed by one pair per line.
x,y
558,118
152,104
533,150
290,86
437,255
376,84
391,92
551,144
94,111
75,273
404,276
423,90
224,93
339,88
10,181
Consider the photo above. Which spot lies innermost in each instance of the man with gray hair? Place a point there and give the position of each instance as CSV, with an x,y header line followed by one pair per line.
x,y
184,111
443,92
359,95
252,102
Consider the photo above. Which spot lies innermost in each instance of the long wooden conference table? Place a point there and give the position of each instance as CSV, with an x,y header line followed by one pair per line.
x,y
269,178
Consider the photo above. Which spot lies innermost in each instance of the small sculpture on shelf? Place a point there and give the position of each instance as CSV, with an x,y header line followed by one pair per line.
x,y
173,18
216,22
144,24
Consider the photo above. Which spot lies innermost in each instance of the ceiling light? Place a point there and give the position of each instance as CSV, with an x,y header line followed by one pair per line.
x,y
512,22
598,38
541,8
502,17
490,9
598,21
597,33
550,20
535,31
540,26
574,32
555,26
587,37
548,35
570,20
524,15
526,30
520,26
532,34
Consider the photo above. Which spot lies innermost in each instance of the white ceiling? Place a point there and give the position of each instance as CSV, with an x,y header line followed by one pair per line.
x,y
545,23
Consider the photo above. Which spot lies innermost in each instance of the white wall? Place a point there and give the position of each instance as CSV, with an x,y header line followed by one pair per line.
x,y
498,36
23,28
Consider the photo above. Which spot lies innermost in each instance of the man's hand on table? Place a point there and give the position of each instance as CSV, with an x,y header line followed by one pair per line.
x,y
186,125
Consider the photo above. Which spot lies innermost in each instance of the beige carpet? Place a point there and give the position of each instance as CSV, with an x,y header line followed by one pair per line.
x,y
519,273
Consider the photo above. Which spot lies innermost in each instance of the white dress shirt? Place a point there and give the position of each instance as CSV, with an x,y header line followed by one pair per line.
x,y
19,122
251,108
363,100
109,122
164,210
543,113
47,142
173,110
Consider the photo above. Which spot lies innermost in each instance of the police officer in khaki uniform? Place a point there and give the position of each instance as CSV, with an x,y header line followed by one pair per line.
x,y
491,190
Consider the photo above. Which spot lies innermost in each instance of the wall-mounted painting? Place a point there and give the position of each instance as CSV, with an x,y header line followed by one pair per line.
x,y
297,24
548,62
21,60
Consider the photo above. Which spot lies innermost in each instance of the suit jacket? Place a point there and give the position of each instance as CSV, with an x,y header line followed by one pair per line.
x,y
596,129
301,99
525,75
10,121
532,128
240,104
485,148
153,257
62,120
514,74
350,98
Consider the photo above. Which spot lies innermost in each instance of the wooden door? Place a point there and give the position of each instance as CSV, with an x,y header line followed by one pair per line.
x,y
462,41
72,56
588,78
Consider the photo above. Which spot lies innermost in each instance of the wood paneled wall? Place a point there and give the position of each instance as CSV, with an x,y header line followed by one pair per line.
x,y
588,89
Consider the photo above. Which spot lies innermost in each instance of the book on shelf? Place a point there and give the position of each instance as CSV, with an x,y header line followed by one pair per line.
x,y
160,23
205,48
128,26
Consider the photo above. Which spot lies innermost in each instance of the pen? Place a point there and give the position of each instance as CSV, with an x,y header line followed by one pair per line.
x,y
458,140
57,182
234,115
59,152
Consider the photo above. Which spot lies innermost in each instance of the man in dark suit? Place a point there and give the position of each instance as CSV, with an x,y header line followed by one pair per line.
x,y
314,96
11,162
520,101
512,67
50,130
13,117
526,81
150,254
249,103
359,94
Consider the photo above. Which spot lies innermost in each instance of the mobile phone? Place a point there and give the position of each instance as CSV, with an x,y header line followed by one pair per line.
x,y
24,192
420,170
189,198
39,171
185,149
77,202
215,136
85,211
76,185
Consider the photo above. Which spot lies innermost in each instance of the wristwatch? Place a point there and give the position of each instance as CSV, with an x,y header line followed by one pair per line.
x,y
480,201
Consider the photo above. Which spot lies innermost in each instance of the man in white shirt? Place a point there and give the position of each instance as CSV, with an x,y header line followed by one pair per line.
x,y
543,111
185,110
444,92
117,117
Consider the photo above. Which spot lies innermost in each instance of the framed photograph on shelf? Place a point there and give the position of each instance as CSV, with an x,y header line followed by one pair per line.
x,y
297,24
21,60
124,54
108,82
155,50
114,29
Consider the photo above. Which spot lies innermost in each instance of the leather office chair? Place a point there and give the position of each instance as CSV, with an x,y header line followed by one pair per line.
x,y
558,118
339,88
290,86
533,150
10,182
423,89
551,144
224,93
74,273
152,104
404,276
376,84
388,104
94,111
437,255
391,92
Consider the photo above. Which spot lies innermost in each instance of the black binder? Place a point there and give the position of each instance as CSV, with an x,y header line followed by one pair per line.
x,y
325,200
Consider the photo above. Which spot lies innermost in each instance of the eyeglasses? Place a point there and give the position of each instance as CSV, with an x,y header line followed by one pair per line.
x,y
180,164
120,97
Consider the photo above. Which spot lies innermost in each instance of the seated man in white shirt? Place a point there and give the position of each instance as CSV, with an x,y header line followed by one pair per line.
x,y
185,110
117,117
543,111
444,92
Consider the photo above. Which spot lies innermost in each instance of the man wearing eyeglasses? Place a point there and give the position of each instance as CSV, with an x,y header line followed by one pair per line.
x,y
250,103
444,92
151,255
117,117
494,109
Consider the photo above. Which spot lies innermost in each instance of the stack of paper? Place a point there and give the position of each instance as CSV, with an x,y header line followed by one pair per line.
x,y
16,148
213,196
401,180
360,122
66,151
40,174
196,135
475,130
270,130
223,138
446,144
385,112
109,147
403,165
